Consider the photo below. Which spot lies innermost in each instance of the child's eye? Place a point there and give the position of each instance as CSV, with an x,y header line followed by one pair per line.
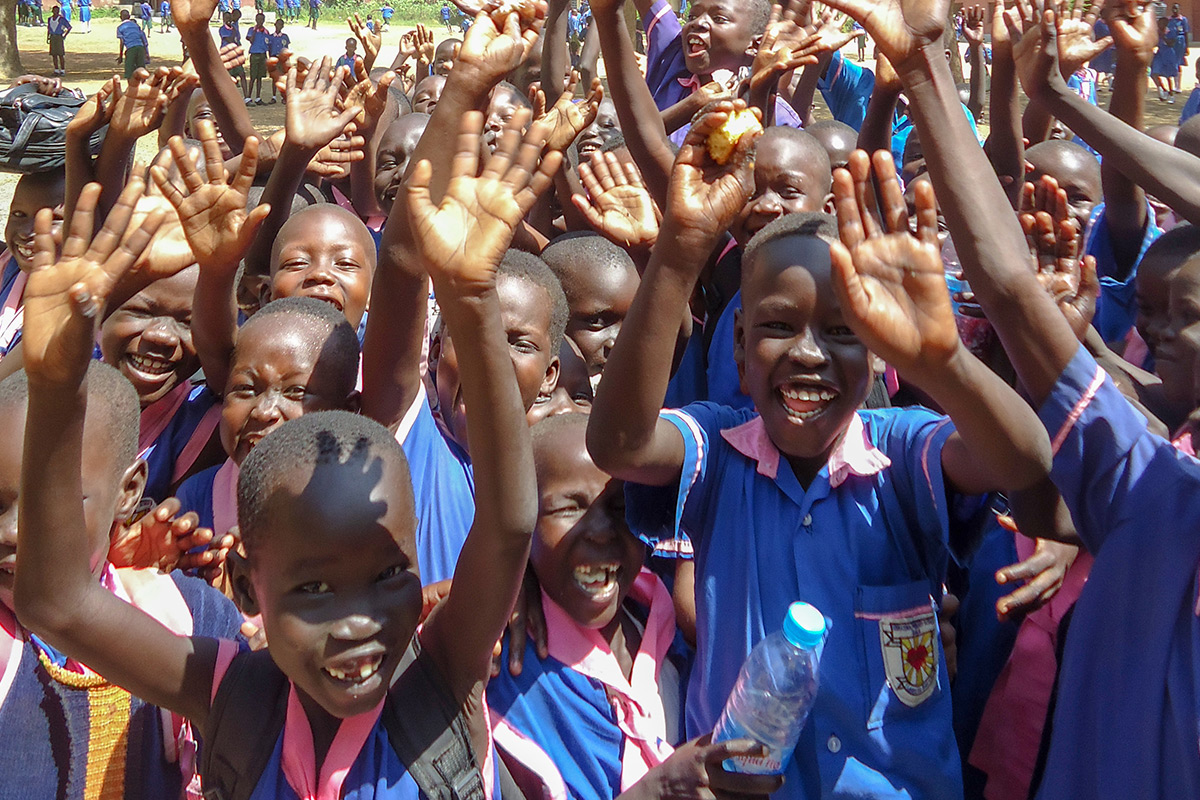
x,y
840,331
392,572
523,346
596,323
776,326
313,587
242,390
295,393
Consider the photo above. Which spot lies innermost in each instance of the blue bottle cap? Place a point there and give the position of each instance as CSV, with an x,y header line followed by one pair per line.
x,y
804,625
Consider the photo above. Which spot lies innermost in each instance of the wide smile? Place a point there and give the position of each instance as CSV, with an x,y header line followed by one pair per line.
x,y
24,249
151,369
600,582
695,45
804,402
354,671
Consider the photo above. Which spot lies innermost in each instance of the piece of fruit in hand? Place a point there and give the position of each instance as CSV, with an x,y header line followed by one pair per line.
x,y
724,139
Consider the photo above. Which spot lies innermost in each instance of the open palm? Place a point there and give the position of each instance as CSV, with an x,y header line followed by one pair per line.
x,y
899,27
617,204
566,118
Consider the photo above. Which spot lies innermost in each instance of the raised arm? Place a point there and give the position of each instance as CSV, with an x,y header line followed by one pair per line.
x,y
56,594
992,247
400,291
876,131
892,291
461,242
219,231
1005,145
973,31
192,18
625,436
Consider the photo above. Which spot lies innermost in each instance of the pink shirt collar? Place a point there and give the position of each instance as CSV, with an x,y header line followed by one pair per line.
x,y
299,757
636,702
853,455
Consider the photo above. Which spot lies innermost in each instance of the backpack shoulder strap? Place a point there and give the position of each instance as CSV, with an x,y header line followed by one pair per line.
x,y
432,739
240,734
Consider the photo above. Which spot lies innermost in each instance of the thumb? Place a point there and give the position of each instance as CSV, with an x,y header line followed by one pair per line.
x,y
254,221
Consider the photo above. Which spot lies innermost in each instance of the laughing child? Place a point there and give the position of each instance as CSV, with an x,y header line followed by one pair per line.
x,y
67,731
327,517
760,491
33,192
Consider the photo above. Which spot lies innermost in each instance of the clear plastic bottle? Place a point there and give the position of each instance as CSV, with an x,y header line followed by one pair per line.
x,y
774,692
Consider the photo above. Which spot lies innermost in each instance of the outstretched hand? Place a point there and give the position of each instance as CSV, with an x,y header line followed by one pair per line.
x,y
1135,31
371,40
566,118
1042,573
1056,244
313,118
1039,67
973,25
212,210
65,299
617,203
785,46
138,109
163,539
462,240
891,284
900,28
704,197
490,50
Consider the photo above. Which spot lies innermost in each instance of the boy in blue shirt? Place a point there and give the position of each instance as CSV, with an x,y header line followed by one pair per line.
x,y
446,16
314,11
135,47
260,45
147,15
385,15
806,497
348,58
277,42
165,23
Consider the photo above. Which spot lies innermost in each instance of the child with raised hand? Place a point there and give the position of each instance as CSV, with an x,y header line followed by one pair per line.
x,y
394,391
66,729
610,627
326,513
812,309
1131,496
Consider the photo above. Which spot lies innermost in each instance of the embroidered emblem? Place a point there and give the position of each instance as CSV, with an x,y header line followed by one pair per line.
x,y
910,655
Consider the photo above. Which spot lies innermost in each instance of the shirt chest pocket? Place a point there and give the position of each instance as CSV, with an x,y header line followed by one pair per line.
x,y
898,633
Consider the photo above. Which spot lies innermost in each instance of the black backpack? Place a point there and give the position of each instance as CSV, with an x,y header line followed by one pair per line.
x,y
432,740
33,129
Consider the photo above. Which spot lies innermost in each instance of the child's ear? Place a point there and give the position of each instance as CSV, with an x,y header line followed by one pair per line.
x,y
237,567
752,48
133,483
550,380
264,290
739,348
830,206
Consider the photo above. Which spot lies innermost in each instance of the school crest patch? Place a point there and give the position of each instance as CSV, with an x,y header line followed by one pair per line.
x,y
910,655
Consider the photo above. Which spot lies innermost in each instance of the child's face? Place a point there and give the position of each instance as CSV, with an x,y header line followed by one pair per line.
x,y
583,553
395,149
783,184
717,35
797,358
276,376
525,312
1153,297
351,46
321,253
428,93
444,56
335,579
572,395
198,109
149,338
110,490
501,109
1077,177
1179,343
32,194
604,129
599,300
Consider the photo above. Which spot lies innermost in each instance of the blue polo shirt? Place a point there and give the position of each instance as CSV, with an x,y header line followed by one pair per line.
x,y
196,494
130,33
443,489
259,39
164,452
867,543
846,88
276,44
1116,308
724,386
1125,723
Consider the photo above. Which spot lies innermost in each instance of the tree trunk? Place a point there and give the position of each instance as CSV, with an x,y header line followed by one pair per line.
x,y
10,59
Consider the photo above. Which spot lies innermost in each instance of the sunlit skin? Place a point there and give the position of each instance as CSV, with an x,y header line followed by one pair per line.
x,y
502,108
717,35
791,342
391,160
572,395
444,55
525,313
149,338
32,193
326,253
277,375
603,130
599,296
1179,343
1077,173
427,94
107,485
786,181
585,557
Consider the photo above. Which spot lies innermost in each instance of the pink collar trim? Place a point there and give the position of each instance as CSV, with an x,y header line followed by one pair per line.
x,y
299,758
12,312
158,415
853,455
636,702
224,499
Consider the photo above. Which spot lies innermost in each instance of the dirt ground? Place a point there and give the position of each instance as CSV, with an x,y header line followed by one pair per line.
x,y
91,59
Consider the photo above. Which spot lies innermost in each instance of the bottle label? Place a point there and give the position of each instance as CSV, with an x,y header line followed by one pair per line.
x,y
772,762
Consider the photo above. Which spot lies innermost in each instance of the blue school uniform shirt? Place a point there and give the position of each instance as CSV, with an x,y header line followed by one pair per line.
x,y
161,456
195,494
1125,721
867,544
259,38
130,33
386,13
345,61
1116,308
724,386
277,43
846,88
443,488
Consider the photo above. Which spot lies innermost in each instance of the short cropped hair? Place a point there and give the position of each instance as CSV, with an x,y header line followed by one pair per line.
x,y
760,15
1181,242
518,96
319,438
807,223
340,345
533,270
112,403
583,249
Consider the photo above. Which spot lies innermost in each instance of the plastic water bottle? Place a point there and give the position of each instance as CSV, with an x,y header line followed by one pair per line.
x,y
774,692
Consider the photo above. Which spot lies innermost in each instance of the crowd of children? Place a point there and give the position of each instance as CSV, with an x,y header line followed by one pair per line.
x,y
462,438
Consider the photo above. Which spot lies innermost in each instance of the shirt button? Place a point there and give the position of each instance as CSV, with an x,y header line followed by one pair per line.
x,y
834,744
807,521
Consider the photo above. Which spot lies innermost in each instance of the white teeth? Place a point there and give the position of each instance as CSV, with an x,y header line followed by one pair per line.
x,y
809,395
595,576
149,364
357,674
